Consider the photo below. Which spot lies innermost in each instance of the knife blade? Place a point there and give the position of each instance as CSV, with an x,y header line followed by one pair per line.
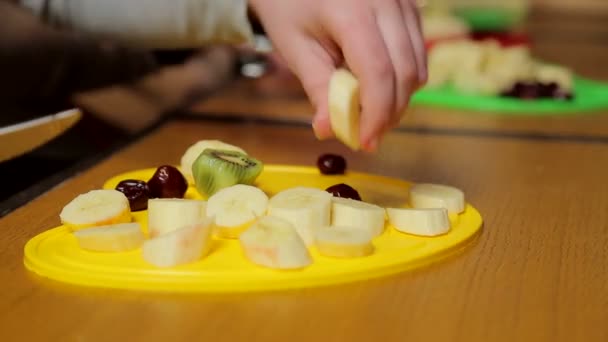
x,y
23,137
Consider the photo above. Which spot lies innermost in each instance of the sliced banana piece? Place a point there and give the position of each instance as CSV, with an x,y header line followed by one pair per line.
x,y
509,65
181,246
423,222
477,82
112,238
344,241
235,208
96,208
274,243
348,212
426,195
196,149
344,108
305,208
168,214
546,73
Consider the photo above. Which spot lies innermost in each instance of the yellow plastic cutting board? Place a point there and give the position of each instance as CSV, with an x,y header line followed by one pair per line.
x,y
55,253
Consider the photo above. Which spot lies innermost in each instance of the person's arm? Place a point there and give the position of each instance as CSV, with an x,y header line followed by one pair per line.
x,y
154,24
38,62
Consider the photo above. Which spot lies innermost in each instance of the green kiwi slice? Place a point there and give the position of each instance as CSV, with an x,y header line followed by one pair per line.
x,y
216,169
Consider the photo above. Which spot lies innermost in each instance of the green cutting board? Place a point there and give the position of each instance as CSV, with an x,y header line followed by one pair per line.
x,y
590,96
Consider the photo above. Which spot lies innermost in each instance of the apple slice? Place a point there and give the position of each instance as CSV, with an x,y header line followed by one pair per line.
x,y
181,246
168,214
344,109
96,208
112,238
423,222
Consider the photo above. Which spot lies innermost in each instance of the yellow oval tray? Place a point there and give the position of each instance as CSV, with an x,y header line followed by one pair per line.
x,y
55,253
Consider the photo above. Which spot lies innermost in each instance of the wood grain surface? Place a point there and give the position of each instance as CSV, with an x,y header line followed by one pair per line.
x,y
538,272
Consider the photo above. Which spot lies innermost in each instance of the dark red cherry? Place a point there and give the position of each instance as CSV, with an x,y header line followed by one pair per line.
x,y
537,90
167,182
344,191
137,193
331,164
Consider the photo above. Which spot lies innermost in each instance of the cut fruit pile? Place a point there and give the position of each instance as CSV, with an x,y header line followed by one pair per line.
x,y
486,68
276,231
488,63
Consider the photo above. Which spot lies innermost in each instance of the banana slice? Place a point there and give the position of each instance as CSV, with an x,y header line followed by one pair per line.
x,y
196,149
235,208
445,59
437,196
305,208
344,109
181,246
547,73
274,243
112,238
344,241
168,214
424,222
349,212
477,82
96,208
506,66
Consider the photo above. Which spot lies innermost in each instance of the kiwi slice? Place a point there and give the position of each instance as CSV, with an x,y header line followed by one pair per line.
x,y
216,169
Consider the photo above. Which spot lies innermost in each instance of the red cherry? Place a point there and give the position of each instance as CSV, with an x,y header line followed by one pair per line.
x,y
167,182
344,191
331,164
137,193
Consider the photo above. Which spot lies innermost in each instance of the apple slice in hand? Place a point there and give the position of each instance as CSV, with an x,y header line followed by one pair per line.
x,y
181,246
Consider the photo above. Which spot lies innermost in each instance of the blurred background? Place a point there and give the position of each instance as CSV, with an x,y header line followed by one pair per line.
x,y
187,80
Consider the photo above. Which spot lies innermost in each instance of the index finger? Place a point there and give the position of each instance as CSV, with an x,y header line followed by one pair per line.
x,y
367,57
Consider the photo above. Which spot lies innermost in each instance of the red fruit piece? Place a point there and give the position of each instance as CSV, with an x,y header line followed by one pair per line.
x,y
331,164
167,182
137,193
344,191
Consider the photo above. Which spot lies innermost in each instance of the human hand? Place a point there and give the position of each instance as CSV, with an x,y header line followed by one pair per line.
x,y
380,41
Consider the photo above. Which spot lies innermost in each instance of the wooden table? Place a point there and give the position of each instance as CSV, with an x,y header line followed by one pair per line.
x,y
538,271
